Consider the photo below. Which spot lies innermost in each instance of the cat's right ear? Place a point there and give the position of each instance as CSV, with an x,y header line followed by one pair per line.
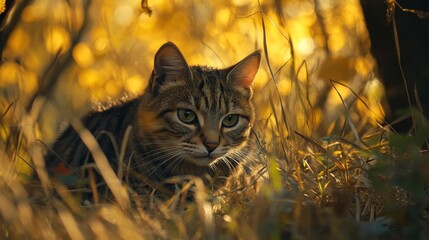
x,y
244,72
169,67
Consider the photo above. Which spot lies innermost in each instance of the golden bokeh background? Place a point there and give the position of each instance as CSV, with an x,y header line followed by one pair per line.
x,y
316,57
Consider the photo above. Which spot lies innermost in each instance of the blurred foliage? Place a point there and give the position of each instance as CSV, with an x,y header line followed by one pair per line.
x,y
400,178
2,6
329,168
313,42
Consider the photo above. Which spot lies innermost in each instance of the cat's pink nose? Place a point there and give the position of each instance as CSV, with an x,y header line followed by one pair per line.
x,y
211,146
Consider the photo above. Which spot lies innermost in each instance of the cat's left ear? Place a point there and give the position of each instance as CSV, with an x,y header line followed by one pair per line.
x,y
244,72
169,66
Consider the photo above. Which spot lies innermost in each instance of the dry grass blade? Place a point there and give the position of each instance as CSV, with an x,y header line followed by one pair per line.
x,y
70,224
259,174
282,109
278,127
398,54
204,209
298,92
34,148
349,121
122,152
321,149
7,109
321,167
106,171
358,97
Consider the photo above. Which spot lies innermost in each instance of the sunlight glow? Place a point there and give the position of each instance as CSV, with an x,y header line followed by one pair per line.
x,y
375,93
57,40
9,73
115,54
2,6
284,86
19,41
241,3
364,65
337,39
82,54
335,98
112,89
100,44
124,15
89,78
29,82
316,99
35,12
135,84
305,46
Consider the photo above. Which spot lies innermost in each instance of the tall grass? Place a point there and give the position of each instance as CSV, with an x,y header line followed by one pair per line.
x,y
337,187
314,177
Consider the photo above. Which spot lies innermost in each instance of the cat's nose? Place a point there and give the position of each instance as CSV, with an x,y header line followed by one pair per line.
x,y
211,146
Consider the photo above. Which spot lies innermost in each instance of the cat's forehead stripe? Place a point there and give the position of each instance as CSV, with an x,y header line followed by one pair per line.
x,y
210,89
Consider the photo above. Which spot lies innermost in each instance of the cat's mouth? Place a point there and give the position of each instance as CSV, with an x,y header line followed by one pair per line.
x,y
203,161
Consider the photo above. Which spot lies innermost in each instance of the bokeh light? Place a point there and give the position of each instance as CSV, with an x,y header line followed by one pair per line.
x,y
307,46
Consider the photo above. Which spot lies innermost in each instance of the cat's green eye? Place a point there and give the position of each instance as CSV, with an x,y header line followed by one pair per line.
x,y
231,120
186,116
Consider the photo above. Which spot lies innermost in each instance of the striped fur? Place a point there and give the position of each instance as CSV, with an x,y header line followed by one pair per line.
x,y
190,121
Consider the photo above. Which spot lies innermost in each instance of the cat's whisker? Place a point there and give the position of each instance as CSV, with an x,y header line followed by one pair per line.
x,y
224,161
159,161
213,166
170,159
154,152
227,163
237,158
176,163
161,143
175,144
149,160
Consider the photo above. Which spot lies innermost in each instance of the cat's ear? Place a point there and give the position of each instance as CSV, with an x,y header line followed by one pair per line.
x,y
169,65
244,72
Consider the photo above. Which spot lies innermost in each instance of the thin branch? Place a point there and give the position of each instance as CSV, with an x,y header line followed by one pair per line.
x,y
59,63
420,14
8,28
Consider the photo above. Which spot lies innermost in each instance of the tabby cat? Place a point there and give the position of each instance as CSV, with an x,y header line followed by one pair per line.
x,y
189,121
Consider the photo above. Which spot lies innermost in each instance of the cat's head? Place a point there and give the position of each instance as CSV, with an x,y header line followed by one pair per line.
x,y
197,115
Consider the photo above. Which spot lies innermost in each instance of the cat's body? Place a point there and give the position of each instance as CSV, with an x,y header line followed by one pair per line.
x,y
190,121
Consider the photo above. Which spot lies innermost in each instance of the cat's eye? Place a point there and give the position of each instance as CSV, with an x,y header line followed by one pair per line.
x,y
231,120
186,116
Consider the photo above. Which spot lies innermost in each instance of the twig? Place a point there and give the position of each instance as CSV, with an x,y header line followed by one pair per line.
x,y
8,28
398,55
8,6
59,63
420,14
7,109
